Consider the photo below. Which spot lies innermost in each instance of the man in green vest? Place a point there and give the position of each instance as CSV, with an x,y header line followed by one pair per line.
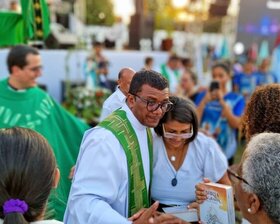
x,y
113,171
23,104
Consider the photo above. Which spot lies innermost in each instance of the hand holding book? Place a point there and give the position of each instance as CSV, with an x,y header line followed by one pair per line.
x,y
200,193
219,205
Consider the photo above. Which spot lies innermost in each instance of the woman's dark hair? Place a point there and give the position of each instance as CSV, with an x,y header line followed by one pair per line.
x,y
262,113
27,168
149,77
183,111
223,66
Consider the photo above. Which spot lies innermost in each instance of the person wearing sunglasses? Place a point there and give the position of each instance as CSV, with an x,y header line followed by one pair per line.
x,y
183,156
113,174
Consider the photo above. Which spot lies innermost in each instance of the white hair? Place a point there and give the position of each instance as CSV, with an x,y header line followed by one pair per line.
x,y
261,168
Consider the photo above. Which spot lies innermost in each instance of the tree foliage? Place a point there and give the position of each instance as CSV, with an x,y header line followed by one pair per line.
x,y
99,12
164,14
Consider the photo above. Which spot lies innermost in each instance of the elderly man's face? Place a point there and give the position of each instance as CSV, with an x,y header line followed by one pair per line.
x,y
125,80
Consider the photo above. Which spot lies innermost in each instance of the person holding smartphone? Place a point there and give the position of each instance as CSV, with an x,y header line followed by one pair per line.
x,y
219,111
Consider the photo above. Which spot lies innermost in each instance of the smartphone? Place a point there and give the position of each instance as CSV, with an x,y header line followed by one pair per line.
x,y
102,64
214,85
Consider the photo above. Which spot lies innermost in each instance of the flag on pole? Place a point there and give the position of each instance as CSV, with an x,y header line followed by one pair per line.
x,y
36,19
275,63
11,32
264,51
277,41
253,52
225,52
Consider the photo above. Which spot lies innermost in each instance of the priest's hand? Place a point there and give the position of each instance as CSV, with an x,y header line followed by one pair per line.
x,y
72,171
137,215
144,216
162,218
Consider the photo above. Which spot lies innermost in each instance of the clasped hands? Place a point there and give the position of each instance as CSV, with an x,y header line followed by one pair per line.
x,y
152,216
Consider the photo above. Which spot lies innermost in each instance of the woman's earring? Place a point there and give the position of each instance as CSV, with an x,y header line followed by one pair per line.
x,y
249,210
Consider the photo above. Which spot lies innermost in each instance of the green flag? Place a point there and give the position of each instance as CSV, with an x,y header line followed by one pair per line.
x,y
36,19
11,32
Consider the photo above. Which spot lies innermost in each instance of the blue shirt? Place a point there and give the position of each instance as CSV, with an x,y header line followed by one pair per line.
x,y
265,78
214,124
246,84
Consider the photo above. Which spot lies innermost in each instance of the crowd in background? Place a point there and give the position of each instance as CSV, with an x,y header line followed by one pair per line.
x,y
195,134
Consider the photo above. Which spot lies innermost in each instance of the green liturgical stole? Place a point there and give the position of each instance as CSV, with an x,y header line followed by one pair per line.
x,y
138,193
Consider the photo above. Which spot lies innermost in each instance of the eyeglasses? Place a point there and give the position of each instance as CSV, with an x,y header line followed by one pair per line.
x,y
153,106
36,68
232,174
173,135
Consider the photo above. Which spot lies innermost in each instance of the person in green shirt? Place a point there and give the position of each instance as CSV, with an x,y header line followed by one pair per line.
x,y
23,104
171,71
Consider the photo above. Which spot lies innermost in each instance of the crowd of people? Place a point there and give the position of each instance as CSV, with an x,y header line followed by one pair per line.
x,y
160,135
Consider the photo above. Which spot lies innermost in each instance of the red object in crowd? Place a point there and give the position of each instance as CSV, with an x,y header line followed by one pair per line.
x,y
277,40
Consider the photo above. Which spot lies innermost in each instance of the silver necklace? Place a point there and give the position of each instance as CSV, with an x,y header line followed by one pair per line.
x,y
174,181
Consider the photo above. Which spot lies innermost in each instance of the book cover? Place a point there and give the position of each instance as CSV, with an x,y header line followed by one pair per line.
x,y
189,215
218,208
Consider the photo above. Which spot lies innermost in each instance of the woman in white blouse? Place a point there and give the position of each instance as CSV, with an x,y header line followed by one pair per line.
x,y
183,156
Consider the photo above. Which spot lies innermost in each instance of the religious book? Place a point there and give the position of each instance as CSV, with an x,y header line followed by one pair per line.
x,y
218,208
182,212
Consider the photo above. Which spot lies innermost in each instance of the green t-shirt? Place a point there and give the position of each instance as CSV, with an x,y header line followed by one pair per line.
x,y
35,109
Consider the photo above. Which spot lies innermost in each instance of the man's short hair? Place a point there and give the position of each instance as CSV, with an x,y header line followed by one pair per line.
x,y
17,56
173,57
148,77
97,44
123,71
148,60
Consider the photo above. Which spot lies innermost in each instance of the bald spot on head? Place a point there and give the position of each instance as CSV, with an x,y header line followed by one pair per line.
x,y
124,79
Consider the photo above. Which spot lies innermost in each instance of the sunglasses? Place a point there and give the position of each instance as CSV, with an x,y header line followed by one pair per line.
x,y
173,135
